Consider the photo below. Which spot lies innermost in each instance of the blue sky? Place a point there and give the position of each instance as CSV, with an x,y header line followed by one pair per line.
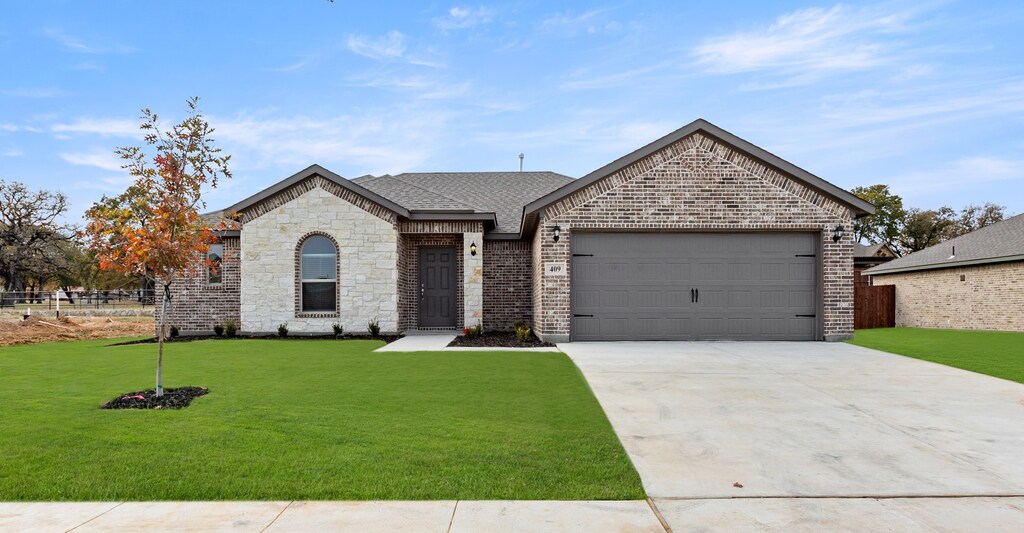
x,y
925,96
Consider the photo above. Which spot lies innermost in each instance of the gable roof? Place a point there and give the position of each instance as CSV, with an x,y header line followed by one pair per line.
x,y
502,193
998,243
872,250
859,206
309,172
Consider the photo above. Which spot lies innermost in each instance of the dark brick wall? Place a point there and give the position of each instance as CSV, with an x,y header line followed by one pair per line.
x,y
196,306
508,280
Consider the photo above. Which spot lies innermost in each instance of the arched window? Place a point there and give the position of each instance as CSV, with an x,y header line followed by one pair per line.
x,y
319,260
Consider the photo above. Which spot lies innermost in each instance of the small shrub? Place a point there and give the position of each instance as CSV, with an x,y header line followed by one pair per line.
x,y
473,331
230,329
373,327
282,330
523,333
218,330
174,331
338,330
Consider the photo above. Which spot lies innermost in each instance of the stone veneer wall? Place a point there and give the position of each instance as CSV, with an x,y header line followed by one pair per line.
x,y
196,306
990,297
508,283
472,280
695,184
368,259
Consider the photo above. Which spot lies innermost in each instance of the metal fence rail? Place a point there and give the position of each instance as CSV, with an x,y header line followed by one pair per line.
x,y
76,299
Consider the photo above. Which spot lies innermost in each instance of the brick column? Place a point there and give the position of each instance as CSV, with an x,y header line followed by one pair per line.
x,y
473,279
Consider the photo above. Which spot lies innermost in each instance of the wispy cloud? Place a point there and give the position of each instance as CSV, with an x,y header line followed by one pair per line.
x,y
808,43
77,44
391,45
99,126
378,140
103,159
388,47
616,79
31,92
460,18
975,169
11,152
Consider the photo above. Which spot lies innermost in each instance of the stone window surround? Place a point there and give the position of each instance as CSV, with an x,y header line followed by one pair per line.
x,y
299,313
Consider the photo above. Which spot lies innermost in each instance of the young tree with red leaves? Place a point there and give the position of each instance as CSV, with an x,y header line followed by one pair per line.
x,y
154,228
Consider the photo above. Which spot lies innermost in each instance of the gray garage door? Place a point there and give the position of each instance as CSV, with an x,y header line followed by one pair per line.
x,y
693,286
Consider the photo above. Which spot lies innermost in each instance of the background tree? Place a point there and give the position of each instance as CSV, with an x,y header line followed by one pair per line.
x,y
154,228
925,228
31,232
974,217
885,226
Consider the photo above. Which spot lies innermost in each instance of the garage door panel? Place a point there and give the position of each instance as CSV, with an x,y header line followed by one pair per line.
x,y
638,286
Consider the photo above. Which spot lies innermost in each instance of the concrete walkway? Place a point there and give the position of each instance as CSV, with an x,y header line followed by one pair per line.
x,y
255,517
419,343
812,436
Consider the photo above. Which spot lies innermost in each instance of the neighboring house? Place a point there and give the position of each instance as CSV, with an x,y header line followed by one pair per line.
x,y
975,281
866,256
698,235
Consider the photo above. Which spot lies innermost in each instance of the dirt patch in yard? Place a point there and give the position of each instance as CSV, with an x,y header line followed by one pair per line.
x,y
48,329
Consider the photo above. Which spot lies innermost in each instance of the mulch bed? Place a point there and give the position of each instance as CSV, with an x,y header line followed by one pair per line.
x,y
498,339
177,398
388,339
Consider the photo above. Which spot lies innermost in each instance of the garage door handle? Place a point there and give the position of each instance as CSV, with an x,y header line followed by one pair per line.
x,y
697,292
692,297
806,316
583,316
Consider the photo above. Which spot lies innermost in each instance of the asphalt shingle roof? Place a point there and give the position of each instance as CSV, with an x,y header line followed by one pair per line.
x,y
501,193
1002,241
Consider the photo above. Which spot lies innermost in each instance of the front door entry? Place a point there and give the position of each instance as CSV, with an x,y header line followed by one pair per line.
x,y
437,287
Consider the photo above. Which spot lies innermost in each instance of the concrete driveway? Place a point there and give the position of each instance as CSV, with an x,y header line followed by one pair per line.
x,y
816,433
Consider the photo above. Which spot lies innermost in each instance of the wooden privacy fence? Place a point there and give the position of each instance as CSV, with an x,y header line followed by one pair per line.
x,y
874,307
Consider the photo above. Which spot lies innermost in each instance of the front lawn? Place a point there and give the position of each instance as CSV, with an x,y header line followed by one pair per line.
x,y
304,419
996,353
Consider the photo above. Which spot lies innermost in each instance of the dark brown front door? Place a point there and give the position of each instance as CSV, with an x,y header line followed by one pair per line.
x,y
437,288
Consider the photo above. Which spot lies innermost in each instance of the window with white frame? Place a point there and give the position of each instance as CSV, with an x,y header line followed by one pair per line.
x,y
215,260
318,268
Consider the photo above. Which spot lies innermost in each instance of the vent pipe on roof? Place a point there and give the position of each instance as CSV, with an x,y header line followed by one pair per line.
x,y
521,156
954,253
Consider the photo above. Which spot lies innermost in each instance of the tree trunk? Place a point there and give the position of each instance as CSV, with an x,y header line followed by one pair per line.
x,y
160,342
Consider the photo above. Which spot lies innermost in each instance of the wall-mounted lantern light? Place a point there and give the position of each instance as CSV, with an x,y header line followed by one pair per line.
x,y
838,233
556,233
472,249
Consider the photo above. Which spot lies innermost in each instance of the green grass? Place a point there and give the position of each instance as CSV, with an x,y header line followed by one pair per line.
x,y
304,419
996,353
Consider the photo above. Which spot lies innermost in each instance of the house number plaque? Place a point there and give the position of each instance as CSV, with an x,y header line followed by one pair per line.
x,y
555,268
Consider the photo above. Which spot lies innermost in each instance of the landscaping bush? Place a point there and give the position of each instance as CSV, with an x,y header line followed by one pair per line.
x,y
373,327
473,332
282,330
218,330
523,332
174,331
230,329
338,330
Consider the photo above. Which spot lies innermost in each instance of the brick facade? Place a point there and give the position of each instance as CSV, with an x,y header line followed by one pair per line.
x,y
196,306
985,297
508,283
695,184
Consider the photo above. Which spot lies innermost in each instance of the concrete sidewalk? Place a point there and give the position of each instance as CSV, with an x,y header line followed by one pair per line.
x,y
414,516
